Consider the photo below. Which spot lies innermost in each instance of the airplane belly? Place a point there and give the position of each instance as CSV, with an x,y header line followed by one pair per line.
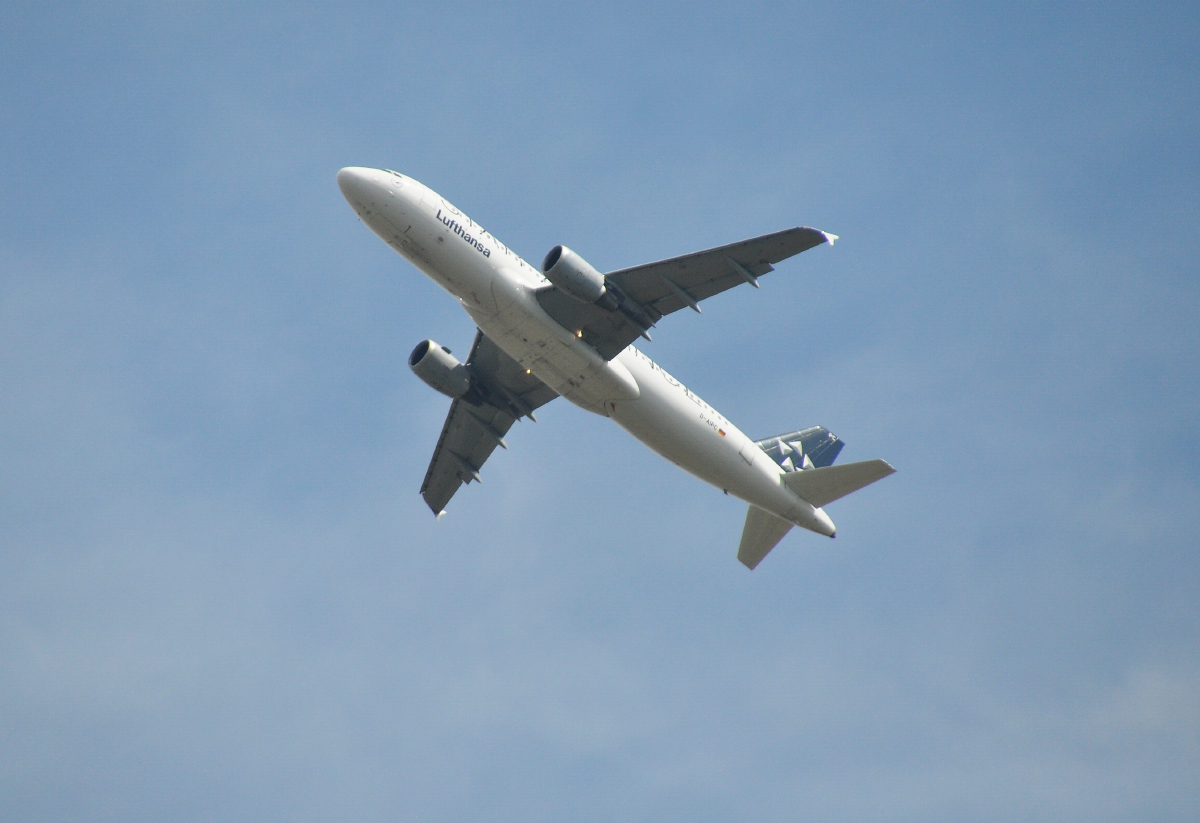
x,y
682,428
667,421
558,358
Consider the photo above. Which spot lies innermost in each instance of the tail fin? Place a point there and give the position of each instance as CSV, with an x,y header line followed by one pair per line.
x,y
762,532
824,485
815,446
806,457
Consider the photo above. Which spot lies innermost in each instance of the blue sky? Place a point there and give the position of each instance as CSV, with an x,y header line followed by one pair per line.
x,y
222,598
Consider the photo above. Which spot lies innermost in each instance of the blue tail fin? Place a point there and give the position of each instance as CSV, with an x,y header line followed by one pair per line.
x,y
811,448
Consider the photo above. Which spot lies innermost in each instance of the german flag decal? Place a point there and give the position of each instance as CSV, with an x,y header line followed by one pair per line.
x,y
721,432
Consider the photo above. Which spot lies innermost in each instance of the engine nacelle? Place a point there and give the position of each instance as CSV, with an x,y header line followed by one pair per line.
x,y
574,275
440,369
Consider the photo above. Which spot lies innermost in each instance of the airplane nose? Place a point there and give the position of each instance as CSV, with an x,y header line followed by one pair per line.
x,y
354,181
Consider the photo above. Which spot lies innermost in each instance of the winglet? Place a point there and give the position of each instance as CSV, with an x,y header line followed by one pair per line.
x,y
829,238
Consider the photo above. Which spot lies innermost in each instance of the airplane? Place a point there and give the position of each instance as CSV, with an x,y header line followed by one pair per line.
x,y
568,330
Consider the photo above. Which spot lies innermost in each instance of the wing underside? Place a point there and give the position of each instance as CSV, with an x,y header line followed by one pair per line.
x,y
648,292
501,394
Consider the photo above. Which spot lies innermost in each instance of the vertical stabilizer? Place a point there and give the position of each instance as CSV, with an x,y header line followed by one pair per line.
x,y
762,532
813,447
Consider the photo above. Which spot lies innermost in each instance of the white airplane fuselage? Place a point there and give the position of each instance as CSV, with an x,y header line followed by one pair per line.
x,y
496,288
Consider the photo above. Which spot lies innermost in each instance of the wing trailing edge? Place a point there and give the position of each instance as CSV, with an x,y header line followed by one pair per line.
x,y
476,424
647,293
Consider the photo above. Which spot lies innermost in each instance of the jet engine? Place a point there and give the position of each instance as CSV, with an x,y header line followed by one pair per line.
x,y
574,275
440,369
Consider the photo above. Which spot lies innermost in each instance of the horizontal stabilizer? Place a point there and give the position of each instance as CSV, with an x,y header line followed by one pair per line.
x,y
824,485
762,532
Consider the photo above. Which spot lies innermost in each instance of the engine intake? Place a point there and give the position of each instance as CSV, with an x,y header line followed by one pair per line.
x,y
574,275
440,369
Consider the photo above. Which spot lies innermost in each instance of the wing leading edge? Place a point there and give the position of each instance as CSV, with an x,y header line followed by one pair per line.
x,y
473,430
651,291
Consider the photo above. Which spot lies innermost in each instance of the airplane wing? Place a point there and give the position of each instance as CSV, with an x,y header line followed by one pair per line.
x,y
649,292
473,430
